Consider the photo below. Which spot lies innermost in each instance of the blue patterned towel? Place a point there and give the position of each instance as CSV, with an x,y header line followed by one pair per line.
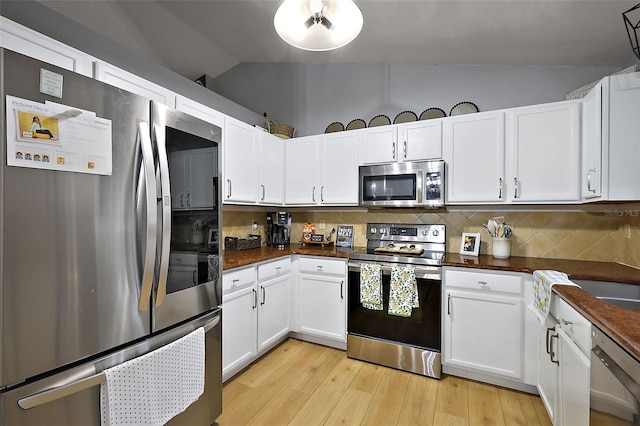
x,y
371,286
542,282
403,293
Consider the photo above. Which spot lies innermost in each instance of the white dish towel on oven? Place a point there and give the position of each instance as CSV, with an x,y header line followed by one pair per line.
x,y
155,387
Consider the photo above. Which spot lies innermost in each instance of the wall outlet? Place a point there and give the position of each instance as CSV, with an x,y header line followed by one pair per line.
x,y
255,225
627,231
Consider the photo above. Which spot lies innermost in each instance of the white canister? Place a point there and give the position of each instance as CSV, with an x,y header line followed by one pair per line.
x,y
197,237
501,247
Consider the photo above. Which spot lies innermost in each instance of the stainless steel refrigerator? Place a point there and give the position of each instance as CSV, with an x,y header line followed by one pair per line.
x,y
84,254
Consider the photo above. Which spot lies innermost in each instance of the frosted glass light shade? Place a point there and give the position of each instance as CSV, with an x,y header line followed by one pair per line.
x,y
341,23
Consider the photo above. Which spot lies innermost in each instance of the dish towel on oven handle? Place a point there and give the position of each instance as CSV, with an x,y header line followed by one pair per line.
x,y
403,293
543,280
155,387
371,286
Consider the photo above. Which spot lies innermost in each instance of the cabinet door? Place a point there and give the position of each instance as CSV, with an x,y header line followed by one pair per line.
x,y
200,111
421,140
547,368
339,173
484,332
379,145
474,150
25,41
239,332
301,167
178,169
240,162
132,83
322,307
592,144
202,174
271,188
573,382
273,312
543,157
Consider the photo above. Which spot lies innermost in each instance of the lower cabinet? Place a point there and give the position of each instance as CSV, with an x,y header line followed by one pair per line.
x,y
255,312
322,298
486,326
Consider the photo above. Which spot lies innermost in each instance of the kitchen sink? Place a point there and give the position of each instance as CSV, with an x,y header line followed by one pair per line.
x,y
622,295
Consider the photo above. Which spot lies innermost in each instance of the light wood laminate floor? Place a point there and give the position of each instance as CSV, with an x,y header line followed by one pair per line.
x,y
300,383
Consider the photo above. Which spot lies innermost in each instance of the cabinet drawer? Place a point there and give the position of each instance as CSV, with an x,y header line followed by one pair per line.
x,y
235,280
183,259
484,281
577,327
274,269
309,265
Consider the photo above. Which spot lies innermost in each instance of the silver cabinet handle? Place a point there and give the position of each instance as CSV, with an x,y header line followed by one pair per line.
x,y
342,289
589,180
313,194
547,338
236,281
449,304
322,193
552,353
229,187
181,200
515,187
405,149
500,191
189,199
565,322
264,295
482,282
147,186
255,298
195,277
393,150
263,192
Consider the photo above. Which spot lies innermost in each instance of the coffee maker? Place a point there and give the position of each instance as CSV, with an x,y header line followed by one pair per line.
x,y
278,229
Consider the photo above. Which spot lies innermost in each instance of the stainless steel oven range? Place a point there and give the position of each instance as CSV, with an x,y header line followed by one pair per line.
x,y
406,343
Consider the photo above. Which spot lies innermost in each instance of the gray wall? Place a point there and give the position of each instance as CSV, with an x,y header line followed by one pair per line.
x,y
310,97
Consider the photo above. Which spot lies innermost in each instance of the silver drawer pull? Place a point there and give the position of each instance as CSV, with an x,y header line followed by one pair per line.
x,y
482,282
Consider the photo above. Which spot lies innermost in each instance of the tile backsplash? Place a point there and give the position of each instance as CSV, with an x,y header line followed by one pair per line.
x,y
599,236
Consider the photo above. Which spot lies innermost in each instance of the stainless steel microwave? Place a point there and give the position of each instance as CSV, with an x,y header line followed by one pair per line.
x,y
412,184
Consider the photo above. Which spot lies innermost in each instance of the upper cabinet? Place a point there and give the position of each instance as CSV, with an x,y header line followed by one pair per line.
x,y
193,178
27,42
301,168
522,155
240,175
415,141
271,169
118,77
592,144
200,111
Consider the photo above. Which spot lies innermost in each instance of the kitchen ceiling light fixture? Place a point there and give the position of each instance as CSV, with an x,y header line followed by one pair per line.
x,y
318,25
632,23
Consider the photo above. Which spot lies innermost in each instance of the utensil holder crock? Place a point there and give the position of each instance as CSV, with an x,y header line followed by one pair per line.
x,y
501,248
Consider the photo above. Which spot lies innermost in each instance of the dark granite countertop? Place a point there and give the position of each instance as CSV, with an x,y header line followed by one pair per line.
x,y
622,325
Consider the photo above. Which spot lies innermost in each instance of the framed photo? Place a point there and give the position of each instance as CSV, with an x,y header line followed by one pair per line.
x,y
470,244
344,237
212,239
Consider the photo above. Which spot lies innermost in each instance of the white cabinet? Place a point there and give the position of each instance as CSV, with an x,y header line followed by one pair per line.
x,y
200,111
474,150
548,369
322,170
592,144
239,320
118,77
271,169
522,155
193,175
488,334
415,141
573,382
273,309
322,298
25,41
240,162
543,153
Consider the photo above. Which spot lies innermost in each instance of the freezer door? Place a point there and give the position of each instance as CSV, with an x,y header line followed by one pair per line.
x,y
72,397
73,244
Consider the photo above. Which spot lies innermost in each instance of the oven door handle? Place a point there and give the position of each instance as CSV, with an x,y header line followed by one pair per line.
x,y
422,272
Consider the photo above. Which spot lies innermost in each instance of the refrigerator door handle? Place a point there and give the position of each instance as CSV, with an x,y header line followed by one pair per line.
x,y
148,171
165,205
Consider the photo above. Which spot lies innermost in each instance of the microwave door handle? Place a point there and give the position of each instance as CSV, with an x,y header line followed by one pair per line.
x,y
164,202
147,185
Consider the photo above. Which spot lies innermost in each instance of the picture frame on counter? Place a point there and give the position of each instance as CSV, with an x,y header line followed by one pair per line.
x,y
470,244
344,236
212,237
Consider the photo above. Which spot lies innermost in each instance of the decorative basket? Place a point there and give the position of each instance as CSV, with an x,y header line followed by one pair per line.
x,y
281,130
236,244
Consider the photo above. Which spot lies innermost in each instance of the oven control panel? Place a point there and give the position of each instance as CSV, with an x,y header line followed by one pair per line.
x,y
405,232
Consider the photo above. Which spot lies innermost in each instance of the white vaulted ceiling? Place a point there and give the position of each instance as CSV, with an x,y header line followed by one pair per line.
x,y
209,37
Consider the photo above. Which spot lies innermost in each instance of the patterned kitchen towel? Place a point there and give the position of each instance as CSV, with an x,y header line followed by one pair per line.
x,y
543,280
371,286
213,267
403,294
155,387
